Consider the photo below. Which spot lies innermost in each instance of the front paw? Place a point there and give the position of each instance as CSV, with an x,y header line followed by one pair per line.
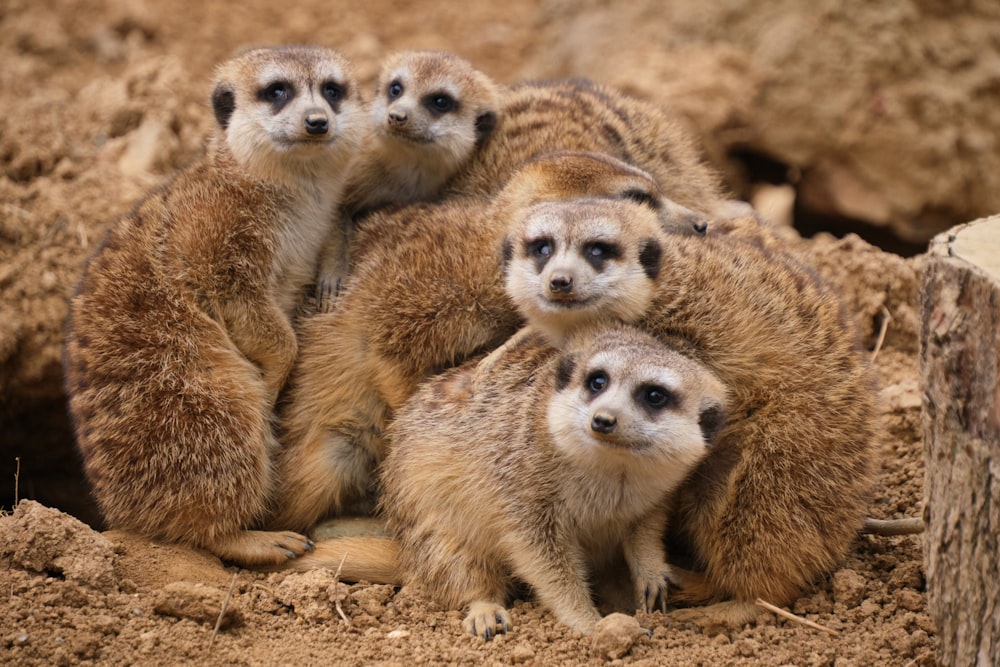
x,y
653,591
486,619
327,290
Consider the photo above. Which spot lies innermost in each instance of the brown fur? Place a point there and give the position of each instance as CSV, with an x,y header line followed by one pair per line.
x,y
537,473
179,337
432,111
778,502
394,328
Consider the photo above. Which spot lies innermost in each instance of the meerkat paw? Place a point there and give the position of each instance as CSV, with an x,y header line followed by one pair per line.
x,y
327,290
653,591
261,547
486,619
729,614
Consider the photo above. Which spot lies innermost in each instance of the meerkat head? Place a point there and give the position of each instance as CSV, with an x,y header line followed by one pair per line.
x,y
289,111
563,175
570,264
434,101
621,393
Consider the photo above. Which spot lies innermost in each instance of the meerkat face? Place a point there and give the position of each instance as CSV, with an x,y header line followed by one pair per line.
x,y
283,106
626,395
434,100
577,262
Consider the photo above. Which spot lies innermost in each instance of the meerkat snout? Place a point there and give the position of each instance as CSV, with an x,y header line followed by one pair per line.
x,y
398,118
561,284
317,122
604,422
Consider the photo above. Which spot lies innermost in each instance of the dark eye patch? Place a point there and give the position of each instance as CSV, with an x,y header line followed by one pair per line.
x,y
277,94
596,382
642,197
540,250
394,90
597,253
333,93
440,103
655,398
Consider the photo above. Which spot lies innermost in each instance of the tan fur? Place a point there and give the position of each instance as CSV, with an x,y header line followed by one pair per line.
x,y
572,263
778,502
431,111
393,328
543,469
179,337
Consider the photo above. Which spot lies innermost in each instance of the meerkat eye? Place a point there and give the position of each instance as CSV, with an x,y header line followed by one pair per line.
x,y
598,252
642,197
440,103
540,248
657,398
333,92
277,93
597,382
394,90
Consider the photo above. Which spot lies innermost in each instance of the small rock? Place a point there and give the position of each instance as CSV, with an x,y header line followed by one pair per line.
x,y
521,653
615,635
398,634
848,588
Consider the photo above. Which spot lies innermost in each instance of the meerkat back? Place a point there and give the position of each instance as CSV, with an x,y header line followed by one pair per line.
x,y
179,339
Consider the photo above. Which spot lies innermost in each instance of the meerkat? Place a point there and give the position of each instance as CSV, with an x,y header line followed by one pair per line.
x,y
779,499
432,111
179,336
541,471
394,328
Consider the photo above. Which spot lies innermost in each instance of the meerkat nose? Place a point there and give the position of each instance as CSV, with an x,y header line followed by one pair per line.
x,y
561,284
397,118
317,123
603,423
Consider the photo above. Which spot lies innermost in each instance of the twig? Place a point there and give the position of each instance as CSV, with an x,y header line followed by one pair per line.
x,y
336,584
222,612
792,617
881,334
893,527
17,475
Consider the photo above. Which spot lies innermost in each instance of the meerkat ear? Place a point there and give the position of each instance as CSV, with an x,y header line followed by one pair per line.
x,y
223,103
711,420
564,371
486,122
650,254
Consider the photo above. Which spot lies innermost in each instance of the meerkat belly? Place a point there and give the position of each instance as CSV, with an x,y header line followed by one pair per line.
x,y
297,251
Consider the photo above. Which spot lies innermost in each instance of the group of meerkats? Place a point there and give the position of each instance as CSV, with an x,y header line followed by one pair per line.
x,y
492,315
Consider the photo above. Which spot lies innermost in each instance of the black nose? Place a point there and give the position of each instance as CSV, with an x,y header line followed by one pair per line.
x,y
700,226
603,423
397,118
561,284
317,124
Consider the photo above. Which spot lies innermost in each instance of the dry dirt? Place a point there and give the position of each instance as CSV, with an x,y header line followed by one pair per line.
x,y
878,119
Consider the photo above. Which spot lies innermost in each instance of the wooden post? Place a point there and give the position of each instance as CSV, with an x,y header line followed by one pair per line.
x,y
959,371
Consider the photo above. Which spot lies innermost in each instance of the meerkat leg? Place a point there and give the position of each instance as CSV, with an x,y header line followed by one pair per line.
x,y
264,336
647,563
559,580
321,474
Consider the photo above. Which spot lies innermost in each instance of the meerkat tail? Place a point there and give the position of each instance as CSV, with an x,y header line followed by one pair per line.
x,y
371,559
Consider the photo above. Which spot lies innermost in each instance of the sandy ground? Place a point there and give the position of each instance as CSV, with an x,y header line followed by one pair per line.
x,y
105,99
